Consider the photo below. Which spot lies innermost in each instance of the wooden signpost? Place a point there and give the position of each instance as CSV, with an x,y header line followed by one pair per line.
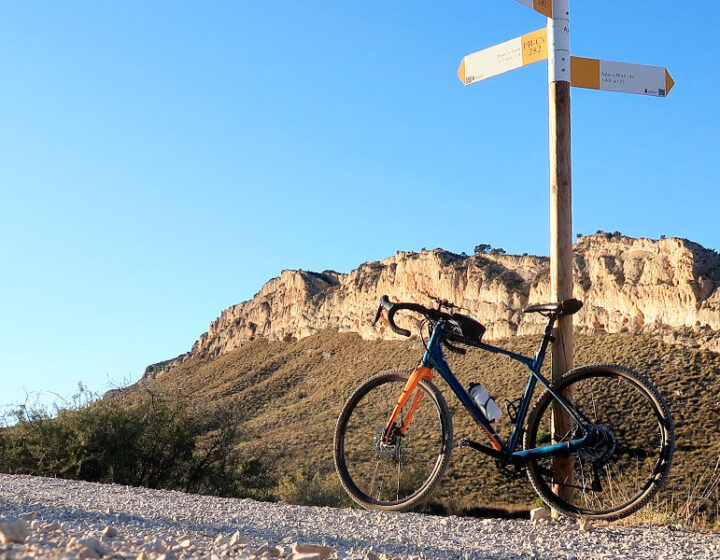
x,y
564,71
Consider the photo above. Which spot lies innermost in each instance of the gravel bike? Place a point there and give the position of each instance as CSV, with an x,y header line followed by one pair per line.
x,y
394,435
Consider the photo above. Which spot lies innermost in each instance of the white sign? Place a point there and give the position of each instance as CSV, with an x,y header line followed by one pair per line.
x,y
545,7
504,57
620,76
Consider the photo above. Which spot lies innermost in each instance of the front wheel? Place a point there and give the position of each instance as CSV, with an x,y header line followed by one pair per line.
x,y
396,474
630,444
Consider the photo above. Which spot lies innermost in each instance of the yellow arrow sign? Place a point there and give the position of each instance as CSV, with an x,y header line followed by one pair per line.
x,y
584,72
545,7
620,76
504,57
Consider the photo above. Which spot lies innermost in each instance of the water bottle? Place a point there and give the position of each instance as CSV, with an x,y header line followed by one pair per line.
x,y
486,403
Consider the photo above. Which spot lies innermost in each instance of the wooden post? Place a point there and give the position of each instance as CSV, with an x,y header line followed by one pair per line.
x,y
561,259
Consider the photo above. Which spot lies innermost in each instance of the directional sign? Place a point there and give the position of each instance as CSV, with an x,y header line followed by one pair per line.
x,y
545,7
584,72
620,76
504,57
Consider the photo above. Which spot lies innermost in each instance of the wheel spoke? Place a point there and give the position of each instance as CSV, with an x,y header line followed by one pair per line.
x,y
369,458
629,442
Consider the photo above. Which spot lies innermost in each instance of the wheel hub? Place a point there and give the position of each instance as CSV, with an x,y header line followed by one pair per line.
x,y
386,449
600,444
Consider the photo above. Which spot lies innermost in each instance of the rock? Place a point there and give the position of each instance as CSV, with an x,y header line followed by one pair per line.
x,y
237,540
87,553
539,513
110,532
632,283
267,551
306,548
91,543
50,527
13,531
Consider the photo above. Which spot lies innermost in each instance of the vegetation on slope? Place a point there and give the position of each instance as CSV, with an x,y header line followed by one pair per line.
x,y
278,402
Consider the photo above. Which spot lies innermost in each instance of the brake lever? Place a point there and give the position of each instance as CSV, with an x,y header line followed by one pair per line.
x,y
377,316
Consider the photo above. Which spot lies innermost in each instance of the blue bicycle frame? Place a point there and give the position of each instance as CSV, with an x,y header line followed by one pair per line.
x,y
435,358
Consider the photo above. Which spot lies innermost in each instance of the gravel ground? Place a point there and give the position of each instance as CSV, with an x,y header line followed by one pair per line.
x,y
71,519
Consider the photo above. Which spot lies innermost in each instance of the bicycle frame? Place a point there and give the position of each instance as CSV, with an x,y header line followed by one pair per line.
x,y
434,359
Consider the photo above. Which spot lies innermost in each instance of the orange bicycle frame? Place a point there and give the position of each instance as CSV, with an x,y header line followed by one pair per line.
x,y
417,375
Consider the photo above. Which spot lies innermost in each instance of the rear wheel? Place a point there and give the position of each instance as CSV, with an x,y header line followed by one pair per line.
x,y
631,443
400,473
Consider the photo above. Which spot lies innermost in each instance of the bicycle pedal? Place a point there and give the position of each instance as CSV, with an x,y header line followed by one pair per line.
x,y
462,442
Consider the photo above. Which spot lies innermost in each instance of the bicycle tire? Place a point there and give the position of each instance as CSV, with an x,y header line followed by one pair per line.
x,y
350,439
634,461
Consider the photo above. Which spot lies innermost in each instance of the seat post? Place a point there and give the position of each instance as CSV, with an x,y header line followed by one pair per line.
x,y
547,338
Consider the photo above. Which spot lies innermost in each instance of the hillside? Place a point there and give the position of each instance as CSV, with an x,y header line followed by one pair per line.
x,y
290,394
627,284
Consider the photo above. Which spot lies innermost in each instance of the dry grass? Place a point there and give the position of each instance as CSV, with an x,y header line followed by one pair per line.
x,y
290,394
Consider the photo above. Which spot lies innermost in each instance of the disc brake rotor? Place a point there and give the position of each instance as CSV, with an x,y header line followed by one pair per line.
x,y
600,446
385,449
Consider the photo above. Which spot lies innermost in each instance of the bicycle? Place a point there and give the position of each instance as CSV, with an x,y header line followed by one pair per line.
x,y
394,435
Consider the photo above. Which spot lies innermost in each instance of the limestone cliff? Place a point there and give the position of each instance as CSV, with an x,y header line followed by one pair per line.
x,y
625,283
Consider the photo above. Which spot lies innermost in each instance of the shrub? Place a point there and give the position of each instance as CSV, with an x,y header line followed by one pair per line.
x,y
150,440
317,491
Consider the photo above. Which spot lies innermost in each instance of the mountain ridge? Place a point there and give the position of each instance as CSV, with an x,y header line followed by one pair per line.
x,y
627,284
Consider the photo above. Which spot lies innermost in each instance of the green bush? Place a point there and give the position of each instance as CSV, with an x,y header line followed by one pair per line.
x,y
150,440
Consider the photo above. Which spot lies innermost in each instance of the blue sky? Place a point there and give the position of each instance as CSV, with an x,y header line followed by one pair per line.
x,y
159,161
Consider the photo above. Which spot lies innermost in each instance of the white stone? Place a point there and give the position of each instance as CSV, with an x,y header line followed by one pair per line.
x,y
307,548
267,551
539,513
110,532
87,553
237,540
93,544
13,531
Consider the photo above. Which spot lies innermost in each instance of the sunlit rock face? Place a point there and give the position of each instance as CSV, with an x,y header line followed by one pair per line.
x,y
626,284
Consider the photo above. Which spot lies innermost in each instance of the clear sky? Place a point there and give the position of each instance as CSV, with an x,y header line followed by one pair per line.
x,y
159,161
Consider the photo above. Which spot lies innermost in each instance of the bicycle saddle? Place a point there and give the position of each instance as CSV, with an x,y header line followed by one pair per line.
x,y
565,307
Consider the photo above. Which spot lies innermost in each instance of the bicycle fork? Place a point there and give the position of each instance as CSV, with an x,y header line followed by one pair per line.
x,y
418,374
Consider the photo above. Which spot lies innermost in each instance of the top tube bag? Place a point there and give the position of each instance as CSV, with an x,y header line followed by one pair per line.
x,y
463,329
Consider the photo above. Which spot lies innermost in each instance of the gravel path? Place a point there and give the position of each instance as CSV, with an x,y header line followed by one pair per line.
x,y
70,519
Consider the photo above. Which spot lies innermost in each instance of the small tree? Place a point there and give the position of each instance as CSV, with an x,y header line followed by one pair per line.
x,y
482,249
497,251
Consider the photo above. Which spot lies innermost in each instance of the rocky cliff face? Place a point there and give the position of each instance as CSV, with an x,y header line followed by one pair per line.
x,y
625,283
